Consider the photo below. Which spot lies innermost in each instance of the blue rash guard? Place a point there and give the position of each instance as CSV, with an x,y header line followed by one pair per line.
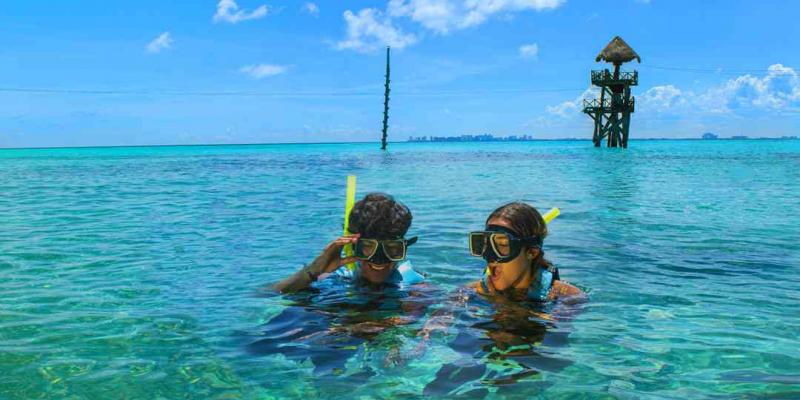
x,y
404,274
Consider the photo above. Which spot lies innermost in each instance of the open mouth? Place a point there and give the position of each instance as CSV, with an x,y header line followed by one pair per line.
x,y
377,267
495,271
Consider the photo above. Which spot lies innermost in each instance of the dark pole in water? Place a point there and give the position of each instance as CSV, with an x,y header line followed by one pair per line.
x,y
386,104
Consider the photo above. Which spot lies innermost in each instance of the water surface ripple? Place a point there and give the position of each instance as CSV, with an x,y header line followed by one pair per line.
x,y
135,272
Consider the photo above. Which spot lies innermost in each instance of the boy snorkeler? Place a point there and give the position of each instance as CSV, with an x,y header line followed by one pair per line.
x,y
378,224
326,321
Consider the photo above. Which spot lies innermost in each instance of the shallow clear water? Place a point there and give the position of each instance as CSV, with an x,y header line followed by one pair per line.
x,y
135,272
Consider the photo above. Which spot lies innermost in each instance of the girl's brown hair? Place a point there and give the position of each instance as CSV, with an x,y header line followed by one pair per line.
x,y
526,222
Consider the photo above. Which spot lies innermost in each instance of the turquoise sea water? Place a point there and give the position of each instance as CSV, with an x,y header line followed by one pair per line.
x,y
135,272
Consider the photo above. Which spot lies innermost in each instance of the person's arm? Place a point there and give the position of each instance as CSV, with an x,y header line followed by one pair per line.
x,y
327,262
566,292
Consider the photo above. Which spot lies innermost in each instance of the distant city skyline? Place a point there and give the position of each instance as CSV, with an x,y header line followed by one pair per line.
x,y
257,71
486,137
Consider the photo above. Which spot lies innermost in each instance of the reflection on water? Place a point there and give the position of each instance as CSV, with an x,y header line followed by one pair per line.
x,y
503,343
330,322
361,332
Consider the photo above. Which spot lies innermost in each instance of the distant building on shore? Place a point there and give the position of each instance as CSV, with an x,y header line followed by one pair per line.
x,y
710,136
472,138
739,137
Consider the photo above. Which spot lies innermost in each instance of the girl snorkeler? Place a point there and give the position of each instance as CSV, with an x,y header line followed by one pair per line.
x,y
511,244
516,270
512,309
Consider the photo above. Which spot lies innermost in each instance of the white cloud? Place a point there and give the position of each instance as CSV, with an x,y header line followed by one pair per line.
x,y
228,11
311,8
444,16
660,98
160,43
529,51
777,90
369,30
573,107
260,71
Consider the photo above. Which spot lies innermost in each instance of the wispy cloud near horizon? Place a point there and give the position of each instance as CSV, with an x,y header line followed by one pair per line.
x,y
311,8
260,71
160,43
529,51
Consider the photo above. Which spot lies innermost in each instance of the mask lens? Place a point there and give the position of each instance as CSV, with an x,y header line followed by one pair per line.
x,y
395,249
365,248
477,243
501,244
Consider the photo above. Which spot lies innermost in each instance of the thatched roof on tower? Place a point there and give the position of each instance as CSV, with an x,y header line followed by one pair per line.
x,y
618,52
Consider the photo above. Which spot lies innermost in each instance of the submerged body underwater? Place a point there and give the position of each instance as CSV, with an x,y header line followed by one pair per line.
x,y
352,333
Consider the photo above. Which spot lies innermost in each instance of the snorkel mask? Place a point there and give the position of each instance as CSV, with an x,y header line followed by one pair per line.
x,y
382,251
499,244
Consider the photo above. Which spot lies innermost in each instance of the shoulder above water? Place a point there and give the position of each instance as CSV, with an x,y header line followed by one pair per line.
x,y
408,274
563,289
560,289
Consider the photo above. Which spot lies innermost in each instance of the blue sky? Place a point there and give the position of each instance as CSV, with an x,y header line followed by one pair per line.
x,y
86,73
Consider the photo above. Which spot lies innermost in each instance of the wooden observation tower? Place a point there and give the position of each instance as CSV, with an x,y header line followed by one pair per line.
x,y
612,111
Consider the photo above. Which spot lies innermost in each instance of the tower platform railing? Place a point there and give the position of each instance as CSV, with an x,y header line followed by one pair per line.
x,y
591,106
606,78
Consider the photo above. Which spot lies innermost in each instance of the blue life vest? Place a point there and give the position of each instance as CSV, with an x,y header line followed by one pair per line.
x,y
544,277
403,274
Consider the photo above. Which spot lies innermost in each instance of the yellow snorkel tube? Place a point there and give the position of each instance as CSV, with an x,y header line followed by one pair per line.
x,y
547,217
350,201
551,215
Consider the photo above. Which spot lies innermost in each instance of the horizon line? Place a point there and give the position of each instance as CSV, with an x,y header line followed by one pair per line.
x,y
391,142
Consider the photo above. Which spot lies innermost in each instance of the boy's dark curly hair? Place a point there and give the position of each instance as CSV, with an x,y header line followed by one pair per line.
x,y
380,216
